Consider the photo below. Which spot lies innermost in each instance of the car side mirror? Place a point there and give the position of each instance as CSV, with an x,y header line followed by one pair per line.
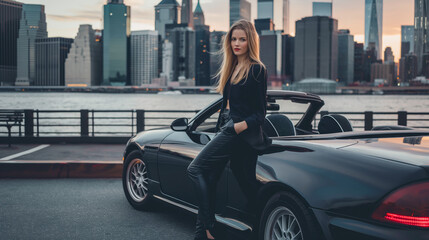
x,y
180,124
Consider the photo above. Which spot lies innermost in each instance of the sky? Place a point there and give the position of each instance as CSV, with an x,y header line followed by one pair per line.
x,y
64,17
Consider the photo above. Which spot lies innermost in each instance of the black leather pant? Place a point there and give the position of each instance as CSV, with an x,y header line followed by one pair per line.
x,y
206,169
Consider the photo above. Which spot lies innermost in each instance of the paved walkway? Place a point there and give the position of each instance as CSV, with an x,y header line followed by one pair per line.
x,y
61,161
62,152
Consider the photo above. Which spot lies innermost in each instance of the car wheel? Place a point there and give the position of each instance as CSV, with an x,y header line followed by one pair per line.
x,y
285,217
135,181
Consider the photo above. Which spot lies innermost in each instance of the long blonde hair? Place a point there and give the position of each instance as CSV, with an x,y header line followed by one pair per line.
x,y
230,59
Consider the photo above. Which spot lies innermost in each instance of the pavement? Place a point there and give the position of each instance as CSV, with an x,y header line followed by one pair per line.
x,y
61,160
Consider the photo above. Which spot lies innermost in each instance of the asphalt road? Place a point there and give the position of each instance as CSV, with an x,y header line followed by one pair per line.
x,y
84,209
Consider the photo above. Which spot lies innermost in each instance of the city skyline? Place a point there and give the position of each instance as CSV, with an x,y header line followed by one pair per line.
x,y
64,18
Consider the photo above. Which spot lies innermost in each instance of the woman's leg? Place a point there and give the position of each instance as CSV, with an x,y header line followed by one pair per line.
x,y
243,166
205,171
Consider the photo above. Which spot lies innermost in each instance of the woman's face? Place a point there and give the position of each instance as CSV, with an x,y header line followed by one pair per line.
x,y
239,42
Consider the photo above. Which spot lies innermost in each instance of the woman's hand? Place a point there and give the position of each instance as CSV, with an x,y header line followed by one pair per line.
x,y
239,127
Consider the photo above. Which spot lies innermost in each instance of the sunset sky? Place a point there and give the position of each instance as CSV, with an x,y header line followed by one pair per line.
x,y
64,17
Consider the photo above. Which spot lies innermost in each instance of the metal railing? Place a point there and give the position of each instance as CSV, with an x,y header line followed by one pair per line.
x,y
94,123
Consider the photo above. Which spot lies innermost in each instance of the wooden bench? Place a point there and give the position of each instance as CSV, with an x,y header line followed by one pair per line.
x,y
9,119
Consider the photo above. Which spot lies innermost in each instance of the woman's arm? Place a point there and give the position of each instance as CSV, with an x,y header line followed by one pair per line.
x,y
258,88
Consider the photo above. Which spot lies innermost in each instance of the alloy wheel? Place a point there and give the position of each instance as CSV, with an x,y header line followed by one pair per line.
x,y
282,224
137,180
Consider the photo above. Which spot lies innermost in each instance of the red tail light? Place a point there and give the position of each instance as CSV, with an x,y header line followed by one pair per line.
x,y
408,206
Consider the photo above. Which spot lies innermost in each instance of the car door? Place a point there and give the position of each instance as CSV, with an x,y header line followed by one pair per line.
x,y
179,149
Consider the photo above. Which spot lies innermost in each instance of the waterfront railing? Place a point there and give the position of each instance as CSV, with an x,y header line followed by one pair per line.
x,y
96,123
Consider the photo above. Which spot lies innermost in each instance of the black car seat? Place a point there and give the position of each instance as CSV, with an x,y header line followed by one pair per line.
x,y
276,125
334,123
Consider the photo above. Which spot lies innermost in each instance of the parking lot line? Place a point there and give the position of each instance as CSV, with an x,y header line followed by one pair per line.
x,y
25,152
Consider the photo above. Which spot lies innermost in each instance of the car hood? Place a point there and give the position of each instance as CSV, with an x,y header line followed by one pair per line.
x,y
409,150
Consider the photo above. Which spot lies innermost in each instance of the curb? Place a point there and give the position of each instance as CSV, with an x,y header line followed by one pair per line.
x,y
56,140
60,169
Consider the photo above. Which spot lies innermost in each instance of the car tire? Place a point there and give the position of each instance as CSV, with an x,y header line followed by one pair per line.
x,y
135,181
286,217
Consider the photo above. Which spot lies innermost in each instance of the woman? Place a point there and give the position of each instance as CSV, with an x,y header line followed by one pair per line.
x,y
243,85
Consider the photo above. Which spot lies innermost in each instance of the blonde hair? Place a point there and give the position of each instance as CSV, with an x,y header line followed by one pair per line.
x,y
230,59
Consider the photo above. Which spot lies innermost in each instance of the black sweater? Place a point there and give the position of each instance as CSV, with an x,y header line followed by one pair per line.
x,y
247,99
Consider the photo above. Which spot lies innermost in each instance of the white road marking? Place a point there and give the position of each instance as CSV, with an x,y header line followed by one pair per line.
x,y
25,152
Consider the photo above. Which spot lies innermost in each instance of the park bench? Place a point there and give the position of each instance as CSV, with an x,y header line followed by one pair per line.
x,y
9,119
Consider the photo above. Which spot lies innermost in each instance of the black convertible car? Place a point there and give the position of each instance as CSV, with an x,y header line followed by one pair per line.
x,y
317,182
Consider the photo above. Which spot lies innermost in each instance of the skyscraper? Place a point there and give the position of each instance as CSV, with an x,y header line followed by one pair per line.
x,y
322,9
32,26
183,40
374,25
407,35
264,24
51,54
266,9
316,48
288,49
408,68
166,12
369,58
388,55
215,55
144,57
358,62
167,61
84,62
202,48
421,31
271,52
286,16
10,14
346,52
115,43
186,14
277,11
198,15
239,9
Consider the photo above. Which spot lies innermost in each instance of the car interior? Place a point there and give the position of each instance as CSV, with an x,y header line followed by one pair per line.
x,y
277,124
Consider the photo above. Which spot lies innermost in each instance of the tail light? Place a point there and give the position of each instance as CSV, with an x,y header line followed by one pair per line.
x,y
407,206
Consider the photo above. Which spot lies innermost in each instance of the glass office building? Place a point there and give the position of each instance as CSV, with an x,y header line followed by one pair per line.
x,y
32,27
346,51
115,43
10,14
316,48
277,11
421,30
322,9
239,9
167,12
374,25
265,9
51,54
407,36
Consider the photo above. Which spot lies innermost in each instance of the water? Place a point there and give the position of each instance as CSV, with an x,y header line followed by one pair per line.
x,y
111,101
